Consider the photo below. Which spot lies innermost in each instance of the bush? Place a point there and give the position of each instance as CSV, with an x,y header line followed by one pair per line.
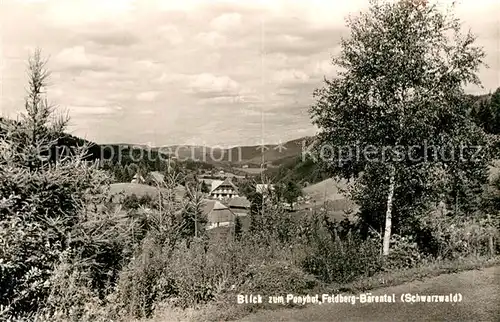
x,y
404,254
143,282
449,235
280,277
55,230
342,261
134,202
337,252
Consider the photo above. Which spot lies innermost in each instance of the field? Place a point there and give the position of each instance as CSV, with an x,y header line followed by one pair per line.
x,y
325,190
252,171
140,190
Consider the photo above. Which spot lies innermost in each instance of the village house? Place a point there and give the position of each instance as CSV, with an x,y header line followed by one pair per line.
x,y
138,178
223,189
218,215
240,206
154,178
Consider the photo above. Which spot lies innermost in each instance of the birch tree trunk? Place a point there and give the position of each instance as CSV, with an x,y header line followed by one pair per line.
x,y
388,214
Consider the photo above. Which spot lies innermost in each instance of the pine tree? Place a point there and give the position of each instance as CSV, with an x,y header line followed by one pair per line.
x,y
495,110
237,227
485,116
42,199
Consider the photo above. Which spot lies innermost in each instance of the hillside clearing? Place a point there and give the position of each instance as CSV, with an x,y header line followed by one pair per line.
x,y
325,190
140,190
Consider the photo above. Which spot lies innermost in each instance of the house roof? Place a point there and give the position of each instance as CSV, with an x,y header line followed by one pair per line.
x,y
215,184
157,176
226,183
239,202
217,212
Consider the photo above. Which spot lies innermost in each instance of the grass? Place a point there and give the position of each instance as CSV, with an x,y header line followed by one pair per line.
x,y
226,309
251,170
140,190
398,277
325,190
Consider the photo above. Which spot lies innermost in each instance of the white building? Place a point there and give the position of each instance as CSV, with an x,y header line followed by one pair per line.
x,y
223,190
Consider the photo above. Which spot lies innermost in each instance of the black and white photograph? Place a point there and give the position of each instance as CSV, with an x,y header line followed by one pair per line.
x,y
237,160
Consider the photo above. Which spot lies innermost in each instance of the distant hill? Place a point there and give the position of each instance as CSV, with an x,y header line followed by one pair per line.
x,y
237,156
271,154
67,141
256,155
125,153
283,161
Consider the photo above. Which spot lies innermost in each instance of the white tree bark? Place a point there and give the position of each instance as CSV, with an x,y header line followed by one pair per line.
x,y
388,214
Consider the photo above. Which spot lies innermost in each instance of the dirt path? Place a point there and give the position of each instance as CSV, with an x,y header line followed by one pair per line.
x,y
480,292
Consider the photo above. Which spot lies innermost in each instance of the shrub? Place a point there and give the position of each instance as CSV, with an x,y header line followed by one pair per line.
x,y
449,235
55,230
134,202
338,253
344,260
143,282
405,253
279,277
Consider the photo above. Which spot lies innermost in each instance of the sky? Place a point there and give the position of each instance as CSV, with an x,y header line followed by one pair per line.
x,y
217,73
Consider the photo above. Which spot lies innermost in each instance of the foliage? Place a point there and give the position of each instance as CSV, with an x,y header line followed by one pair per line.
x,y
486,113
405,253
47,204
192,212
301,169
445,235
142,282
338,253
291,192
269,220
237,227
134,202
204,187
401,82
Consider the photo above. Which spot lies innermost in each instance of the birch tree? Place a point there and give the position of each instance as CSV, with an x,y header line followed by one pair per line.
x,y
398,94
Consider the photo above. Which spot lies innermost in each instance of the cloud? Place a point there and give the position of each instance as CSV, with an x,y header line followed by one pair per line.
x,y
212,61
212,39
109,37
226,21
171,34
118,96
146,112
74,57
148,96
290,77
77,58
209,85
93,110
83,12
221,100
